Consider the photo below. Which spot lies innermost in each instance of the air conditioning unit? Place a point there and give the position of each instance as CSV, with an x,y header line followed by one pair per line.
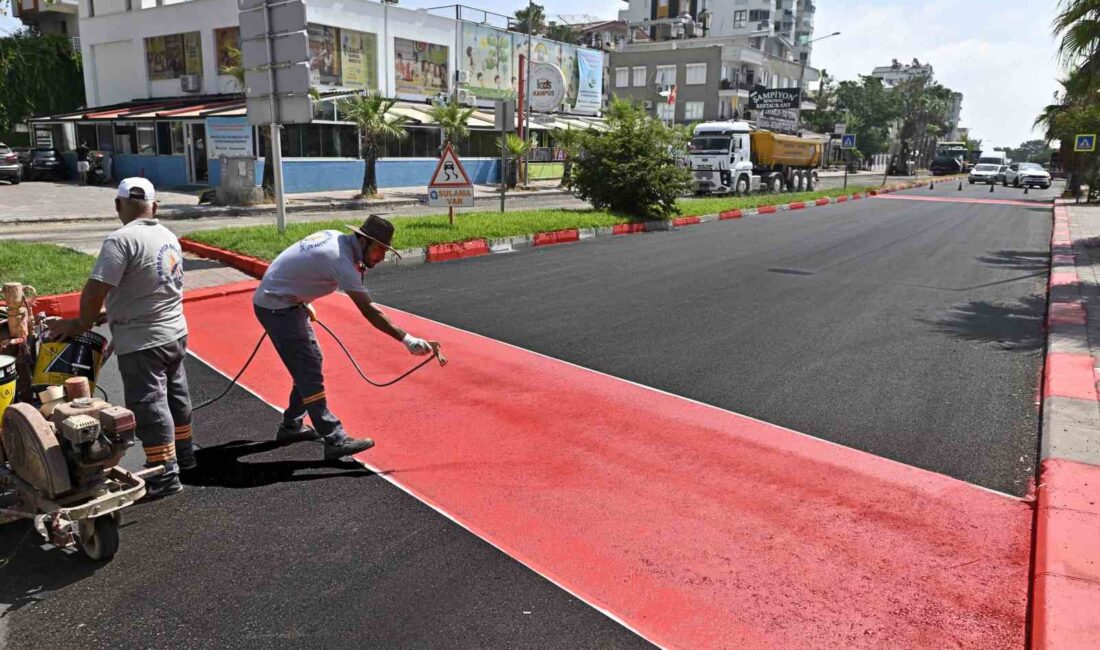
x,y
664,90
191,83
467,97
463,76
647,104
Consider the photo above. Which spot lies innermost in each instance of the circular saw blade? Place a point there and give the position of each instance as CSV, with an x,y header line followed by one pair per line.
x,y
33,450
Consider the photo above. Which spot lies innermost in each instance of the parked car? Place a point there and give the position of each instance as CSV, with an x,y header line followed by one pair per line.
x,y
1027,175
24,155
984,173
47,163
10,169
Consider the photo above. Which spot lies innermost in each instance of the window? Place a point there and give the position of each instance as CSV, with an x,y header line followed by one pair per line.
x,y
164,139
693,111
106,137
622,77
666,112
759,15
146,139
666,75
177,138
739,18
639,76
125,138
87,134
696,74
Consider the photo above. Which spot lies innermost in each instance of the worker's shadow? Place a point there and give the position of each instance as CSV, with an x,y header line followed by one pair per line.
x,y
221,466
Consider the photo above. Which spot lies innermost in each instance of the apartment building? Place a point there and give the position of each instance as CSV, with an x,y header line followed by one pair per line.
x,y
49,16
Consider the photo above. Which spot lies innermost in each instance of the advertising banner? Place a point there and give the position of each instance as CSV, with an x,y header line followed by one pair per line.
x,y
228,136
324,55
226,40
358,59
167,57
487,57
547,87
590,82
420,68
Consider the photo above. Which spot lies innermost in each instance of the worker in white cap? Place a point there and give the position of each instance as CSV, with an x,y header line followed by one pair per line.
x,y
139,275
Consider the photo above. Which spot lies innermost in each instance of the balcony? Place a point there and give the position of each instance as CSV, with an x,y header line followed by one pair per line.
x,y
735,84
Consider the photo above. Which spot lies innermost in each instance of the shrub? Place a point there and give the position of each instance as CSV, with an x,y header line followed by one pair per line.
x,y
632,169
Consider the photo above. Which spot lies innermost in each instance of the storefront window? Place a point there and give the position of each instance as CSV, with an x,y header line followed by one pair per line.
x,y
106,137
146,139
125,138
87,134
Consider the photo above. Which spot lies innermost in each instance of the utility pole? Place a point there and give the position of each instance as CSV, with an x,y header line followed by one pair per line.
x,y
527,99
805,56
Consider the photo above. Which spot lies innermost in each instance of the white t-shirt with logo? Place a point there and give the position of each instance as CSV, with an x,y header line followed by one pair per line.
x,y
311,268
143,262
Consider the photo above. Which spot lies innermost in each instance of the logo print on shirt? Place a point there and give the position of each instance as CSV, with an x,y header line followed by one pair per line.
x,y
315,240
170,265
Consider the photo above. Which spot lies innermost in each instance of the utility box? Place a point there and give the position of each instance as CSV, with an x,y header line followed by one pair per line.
x,y
237,184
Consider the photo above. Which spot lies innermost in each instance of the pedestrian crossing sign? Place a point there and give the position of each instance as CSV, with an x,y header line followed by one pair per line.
x,y
848,141
1085,142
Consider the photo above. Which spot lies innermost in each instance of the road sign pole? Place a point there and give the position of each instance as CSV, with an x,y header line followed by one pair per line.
x,y
503,167
277,161
847,161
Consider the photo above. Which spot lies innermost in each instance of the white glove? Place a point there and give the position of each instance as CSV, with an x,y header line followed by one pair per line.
x,y
416,346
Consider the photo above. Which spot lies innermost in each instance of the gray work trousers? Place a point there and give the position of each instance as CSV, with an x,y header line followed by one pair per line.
x,y
155,383
296,343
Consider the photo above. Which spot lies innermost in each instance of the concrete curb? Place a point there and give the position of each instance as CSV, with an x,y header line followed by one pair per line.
x,y
1066,566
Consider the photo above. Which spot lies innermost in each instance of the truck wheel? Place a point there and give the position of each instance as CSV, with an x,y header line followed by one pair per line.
x,y
799,181
811,181
775,184
742,186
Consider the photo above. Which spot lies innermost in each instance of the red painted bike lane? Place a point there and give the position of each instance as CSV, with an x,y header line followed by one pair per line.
x,y
694,526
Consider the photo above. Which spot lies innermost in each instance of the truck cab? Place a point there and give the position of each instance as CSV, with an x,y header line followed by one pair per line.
x,y
720,158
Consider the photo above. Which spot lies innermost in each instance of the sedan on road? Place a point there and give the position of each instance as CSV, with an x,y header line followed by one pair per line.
x,y
984,173
10,169
47,163
1027,175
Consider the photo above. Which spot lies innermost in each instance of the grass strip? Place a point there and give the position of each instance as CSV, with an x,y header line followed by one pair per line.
x,y
48,268
715,204
265,242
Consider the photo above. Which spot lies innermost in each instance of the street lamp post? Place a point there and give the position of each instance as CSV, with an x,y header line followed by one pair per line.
x,y
802,77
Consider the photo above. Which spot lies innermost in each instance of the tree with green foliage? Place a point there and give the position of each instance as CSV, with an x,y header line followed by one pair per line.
x,y
1036,151
1078,27
537,15
569,141
923,106
516,148
563,33
868,108
453,119
371,113
633,168
39,74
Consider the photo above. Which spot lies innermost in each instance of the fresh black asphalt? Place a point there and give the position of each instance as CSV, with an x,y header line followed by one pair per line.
x,y
911,330
270,547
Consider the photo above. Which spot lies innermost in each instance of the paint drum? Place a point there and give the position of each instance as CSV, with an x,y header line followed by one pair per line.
x,y
77,356
7,382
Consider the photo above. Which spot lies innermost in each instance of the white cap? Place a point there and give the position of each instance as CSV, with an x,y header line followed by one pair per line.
x,y
136,188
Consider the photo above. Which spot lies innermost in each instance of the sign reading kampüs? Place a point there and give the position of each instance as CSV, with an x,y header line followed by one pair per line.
x,y
768,99
547,87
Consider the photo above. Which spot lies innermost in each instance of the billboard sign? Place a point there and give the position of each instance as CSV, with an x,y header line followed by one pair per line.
x,y
767,99
420,68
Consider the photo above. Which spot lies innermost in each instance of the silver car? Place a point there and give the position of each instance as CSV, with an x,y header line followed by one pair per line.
x,y
11,169
1027,175
984,173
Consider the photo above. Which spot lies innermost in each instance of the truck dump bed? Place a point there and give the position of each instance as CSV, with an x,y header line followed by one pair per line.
x,y
771,149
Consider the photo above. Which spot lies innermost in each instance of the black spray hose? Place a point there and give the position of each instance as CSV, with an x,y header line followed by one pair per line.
x,y
435,355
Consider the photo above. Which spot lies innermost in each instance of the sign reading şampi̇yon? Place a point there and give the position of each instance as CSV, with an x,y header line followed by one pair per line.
x,y
769,99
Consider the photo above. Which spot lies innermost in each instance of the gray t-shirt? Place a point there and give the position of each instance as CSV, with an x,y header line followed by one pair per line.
x,y
143,262
314,267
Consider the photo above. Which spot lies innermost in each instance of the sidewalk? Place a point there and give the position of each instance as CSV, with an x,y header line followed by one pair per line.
x,y
66,202
1066,581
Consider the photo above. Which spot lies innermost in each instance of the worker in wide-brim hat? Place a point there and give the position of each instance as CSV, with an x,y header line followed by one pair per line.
x,y
316,266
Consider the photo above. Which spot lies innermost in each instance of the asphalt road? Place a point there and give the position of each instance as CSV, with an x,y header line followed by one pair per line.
x,y
270,547
908,329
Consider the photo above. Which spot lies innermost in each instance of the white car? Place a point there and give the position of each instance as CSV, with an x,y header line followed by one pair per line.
x,y
1027,175
984,173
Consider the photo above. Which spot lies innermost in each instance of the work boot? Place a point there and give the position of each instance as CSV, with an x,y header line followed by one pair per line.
x,y
340,445
295,433
165,484
185,456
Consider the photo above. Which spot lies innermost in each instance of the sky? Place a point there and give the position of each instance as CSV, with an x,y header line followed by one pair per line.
x,y
998,53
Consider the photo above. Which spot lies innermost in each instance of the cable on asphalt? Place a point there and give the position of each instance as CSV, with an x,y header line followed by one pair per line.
x,y
236,378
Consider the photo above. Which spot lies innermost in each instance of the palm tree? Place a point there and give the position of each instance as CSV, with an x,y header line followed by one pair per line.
x,y
453,120
517,148
371,113
537,16
235,69
569,141
1078,23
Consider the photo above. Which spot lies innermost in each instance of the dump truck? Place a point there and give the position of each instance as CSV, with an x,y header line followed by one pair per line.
x,y
737,158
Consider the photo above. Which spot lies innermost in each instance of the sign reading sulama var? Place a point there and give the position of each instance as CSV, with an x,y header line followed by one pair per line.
x,y
770,99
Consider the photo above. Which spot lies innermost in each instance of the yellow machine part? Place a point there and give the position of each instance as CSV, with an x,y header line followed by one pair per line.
x,y
8,377
79,356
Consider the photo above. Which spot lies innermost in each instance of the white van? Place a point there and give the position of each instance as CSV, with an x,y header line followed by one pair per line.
x,y
993,158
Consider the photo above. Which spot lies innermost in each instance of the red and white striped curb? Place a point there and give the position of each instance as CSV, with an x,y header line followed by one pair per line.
x,y
1066,568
